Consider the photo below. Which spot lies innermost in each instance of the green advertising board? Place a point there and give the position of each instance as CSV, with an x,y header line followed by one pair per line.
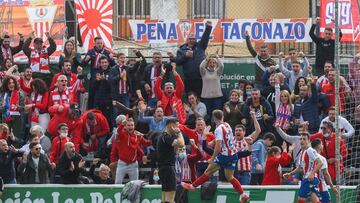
x,y
149,194
233,72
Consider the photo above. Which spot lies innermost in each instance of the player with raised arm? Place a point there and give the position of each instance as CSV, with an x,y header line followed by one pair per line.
x,y
224,156
310,164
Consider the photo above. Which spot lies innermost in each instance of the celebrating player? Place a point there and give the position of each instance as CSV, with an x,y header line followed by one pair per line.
x,y
224,156
310,163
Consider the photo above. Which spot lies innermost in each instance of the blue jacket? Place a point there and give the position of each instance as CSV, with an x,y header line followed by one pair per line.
x,y
309,110
191,66
258,156
154,125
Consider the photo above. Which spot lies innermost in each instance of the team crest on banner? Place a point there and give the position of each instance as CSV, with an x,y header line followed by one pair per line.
x,y
185,28
41,16
95,20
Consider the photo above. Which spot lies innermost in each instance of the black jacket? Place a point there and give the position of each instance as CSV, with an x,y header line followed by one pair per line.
x,y
114,77
28,171
7,166
325,49
50,50
67,176
102,90
14,50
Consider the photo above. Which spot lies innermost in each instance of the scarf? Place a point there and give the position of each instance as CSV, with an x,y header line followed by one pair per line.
x,y
97,57
6,52
283,114
35,112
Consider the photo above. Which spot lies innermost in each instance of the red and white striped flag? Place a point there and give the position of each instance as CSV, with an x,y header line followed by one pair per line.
x,y
41,19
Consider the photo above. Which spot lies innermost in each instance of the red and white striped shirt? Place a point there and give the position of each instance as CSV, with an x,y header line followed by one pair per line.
x,y
224,132
123,87
307,161
244,163
59,99
322,185
322,81
183,170
153,76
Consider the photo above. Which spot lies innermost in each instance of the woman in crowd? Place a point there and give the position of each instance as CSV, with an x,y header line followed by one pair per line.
x,y
211,69
71,54
298,83
194,109
39,103
274,161
247,91
233,109
9,69
12,105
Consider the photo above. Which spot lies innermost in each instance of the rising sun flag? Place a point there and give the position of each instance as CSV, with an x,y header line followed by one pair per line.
x,y
95,19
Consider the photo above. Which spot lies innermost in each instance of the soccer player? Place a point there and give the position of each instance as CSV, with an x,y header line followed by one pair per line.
x,y
310,163
224,156
324,175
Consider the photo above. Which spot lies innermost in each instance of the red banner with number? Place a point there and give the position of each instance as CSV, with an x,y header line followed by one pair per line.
x,y
348,18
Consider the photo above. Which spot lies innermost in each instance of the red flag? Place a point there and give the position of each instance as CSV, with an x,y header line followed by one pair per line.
x,y
348,18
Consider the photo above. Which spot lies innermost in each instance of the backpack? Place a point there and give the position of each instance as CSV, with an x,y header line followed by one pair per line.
x,y
131,191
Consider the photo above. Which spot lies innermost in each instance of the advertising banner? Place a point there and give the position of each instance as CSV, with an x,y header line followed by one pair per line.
x,y
149,194
224,30
40,16
348,18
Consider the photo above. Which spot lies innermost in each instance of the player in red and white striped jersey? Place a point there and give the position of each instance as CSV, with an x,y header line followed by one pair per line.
x,y
224,156
324,176
243,144
310,164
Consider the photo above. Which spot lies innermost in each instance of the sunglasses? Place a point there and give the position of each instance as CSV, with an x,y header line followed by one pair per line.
x,y
38,148
323,128
63,80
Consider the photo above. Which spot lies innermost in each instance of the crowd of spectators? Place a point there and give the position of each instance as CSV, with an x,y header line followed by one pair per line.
x,y
47,137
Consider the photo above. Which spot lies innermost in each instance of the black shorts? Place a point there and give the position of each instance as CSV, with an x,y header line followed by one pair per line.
x,y
167,177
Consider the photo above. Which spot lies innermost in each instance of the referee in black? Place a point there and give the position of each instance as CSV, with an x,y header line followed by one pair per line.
x,y
167,143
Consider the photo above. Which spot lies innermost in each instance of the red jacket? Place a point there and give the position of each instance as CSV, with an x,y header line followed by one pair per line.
x,y
192,134
192,159
43,104
174,99
101,128
73,78
271,173
55,99
74,125
25,88
329,151
329,89
57,149
127,147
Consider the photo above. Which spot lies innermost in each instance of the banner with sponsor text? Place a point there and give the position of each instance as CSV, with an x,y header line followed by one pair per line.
x,y
223,30
348,18
150,194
